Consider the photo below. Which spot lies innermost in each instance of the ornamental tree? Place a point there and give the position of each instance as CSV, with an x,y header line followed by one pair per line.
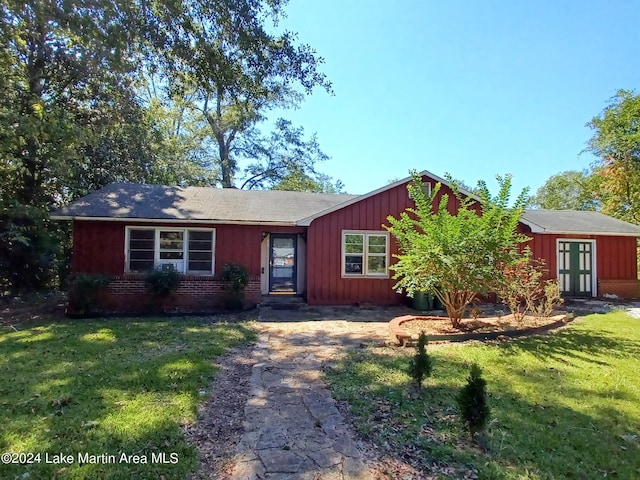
x,y
456,256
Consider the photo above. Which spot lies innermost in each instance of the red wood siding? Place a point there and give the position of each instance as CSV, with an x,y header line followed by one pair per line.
x,y
98,247
325,285
615,256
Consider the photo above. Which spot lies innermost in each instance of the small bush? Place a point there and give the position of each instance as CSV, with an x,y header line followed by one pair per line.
x,y
236,278
521,284
551,299
86,291
472,401
163,282
421,364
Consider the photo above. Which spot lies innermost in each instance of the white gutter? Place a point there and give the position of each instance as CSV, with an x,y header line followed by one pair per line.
x,y
172,220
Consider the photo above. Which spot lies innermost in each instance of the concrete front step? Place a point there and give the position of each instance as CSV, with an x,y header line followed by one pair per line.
x,y
282,302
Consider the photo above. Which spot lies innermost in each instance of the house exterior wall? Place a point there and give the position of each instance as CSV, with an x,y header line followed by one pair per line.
x,y
616,261
99,248
325,284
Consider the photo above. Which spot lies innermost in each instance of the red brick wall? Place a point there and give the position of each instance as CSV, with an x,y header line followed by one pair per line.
x,y
625,289
196,294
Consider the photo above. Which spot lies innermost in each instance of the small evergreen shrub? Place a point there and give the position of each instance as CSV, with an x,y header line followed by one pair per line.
x,y
163,282
472,401
85,292
236,278
421,364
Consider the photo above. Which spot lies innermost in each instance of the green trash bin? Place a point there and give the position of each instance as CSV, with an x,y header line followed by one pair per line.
x,y
422,301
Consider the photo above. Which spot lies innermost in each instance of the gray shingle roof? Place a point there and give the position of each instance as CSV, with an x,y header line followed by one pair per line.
x,y
577,222
146,202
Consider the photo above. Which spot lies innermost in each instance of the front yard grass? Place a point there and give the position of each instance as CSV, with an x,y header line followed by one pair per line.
x,y
107,387
564,405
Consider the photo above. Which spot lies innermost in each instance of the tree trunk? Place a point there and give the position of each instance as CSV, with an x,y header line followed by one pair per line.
x,y
455,301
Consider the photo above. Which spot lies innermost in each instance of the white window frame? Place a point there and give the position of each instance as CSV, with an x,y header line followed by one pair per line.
x,y
365,254
185,248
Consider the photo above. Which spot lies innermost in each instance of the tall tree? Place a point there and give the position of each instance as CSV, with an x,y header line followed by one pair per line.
x,y
570,190
456,256
616,141
60,62
225,58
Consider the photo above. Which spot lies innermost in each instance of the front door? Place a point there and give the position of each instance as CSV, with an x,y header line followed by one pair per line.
x,y
282,263
575,268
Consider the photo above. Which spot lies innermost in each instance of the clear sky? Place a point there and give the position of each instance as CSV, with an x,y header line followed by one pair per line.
x,y
474,88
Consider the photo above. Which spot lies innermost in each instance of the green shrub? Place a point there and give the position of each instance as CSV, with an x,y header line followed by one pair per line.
x,y
85,292
472,401
549,301
421,364
236,278
163,282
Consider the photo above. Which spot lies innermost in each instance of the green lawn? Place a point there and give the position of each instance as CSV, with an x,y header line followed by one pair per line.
x,y
106,387
564,405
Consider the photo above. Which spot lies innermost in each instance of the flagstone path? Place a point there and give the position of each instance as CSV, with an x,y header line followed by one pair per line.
x,y
293,429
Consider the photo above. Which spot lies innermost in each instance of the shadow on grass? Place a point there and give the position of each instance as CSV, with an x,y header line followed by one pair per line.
x,y
555,413
577,342
107,387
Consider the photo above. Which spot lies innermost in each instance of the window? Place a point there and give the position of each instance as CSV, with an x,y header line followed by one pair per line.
x,y
186,250
426,188
364,254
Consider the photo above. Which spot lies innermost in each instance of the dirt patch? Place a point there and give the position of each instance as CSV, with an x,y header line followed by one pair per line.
x,y
219,428
32,308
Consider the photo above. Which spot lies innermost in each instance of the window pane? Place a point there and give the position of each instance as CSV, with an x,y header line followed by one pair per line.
x,y
141,250
141,255
140,265
171,255
171,240
377,265
200,251
354,243
353,264
377,240
200,267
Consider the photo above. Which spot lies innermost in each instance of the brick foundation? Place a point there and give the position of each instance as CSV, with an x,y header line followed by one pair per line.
x,y
196,294
625,289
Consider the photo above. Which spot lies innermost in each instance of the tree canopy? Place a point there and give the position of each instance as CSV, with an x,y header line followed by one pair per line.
x,y
570,190
93,92
456,256
616,141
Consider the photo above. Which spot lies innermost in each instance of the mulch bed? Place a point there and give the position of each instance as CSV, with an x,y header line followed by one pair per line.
x,y
442,326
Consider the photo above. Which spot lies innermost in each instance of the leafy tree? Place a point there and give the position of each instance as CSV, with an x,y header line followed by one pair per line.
x,y
472,401
570,190
59,63
456,256
234,69
616,142
74,119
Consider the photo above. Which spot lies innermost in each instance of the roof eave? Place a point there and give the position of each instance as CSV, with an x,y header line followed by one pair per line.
x,y
174,220
305,222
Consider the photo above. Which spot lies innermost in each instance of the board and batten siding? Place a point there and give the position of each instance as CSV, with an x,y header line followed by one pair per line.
x,y
325,283
616,260
99,246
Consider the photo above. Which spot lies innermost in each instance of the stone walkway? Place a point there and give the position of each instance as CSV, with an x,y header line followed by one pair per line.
x,y
293,429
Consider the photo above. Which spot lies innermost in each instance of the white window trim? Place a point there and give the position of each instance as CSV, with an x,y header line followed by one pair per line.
x,y
594,261
365,254
185,247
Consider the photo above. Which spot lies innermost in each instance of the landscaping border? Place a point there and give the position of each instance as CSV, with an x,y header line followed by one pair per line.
x,y
405,339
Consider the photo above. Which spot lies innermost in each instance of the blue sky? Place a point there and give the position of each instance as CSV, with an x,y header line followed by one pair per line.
x,y
473,88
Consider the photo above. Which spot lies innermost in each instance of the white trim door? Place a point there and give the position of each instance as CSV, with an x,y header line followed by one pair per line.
x,y
576,267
